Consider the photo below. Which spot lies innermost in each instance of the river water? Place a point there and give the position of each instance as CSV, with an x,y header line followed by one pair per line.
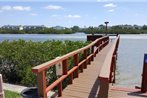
x,y
130,53
130,61
43,37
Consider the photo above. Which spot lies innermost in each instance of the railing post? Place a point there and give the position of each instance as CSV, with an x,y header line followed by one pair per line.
x,y
92,51
71,78
60,89
85,56
1,87
65,67
65,70
76,73
144,75
41,80
112,70
97,50
117,47
82,67
114,67
104,87
100,48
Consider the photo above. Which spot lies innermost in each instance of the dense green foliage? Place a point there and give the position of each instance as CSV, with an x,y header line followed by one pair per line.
x,y
9,94
37,31
120,29
18,57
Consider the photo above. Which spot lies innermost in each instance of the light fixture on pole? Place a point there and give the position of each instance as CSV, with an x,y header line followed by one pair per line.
x,y
106,26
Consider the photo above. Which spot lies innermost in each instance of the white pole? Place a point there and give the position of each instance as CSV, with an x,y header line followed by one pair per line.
x,y
1,87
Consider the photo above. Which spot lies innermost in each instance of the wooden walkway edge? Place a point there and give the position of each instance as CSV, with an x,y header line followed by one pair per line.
x,y
125,92
87,85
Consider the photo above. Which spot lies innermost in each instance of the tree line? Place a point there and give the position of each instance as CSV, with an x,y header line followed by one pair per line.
x,y
101,29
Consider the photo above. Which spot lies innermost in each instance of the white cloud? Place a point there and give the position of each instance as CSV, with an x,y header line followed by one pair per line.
x,y
6,8
54,7
33,14
73,16
110,5
111,10
21,8
16,8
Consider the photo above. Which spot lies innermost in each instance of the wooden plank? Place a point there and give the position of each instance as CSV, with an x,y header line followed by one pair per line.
x,y
79,94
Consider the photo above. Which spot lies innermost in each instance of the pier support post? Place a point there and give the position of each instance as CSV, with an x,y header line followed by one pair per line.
x,y
144,75
41,81
104,87
1,87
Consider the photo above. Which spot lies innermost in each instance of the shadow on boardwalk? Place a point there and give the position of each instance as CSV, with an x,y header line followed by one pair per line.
x,y
119,92
138,94
94,90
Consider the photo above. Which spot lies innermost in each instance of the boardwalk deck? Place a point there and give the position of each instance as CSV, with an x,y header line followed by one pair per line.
x,y
87,85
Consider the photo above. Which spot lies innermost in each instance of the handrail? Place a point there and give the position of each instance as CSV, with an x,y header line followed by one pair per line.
x,y
48,64
107,73
107,63
40,70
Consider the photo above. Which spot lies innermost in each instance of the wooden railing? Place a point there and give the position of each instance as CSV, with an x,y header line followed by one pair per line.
x,y
40,70
113,60
107,73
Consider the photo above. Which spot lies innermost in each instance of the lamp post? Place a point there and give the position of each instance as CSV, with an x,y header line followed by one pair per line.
x,y
106,26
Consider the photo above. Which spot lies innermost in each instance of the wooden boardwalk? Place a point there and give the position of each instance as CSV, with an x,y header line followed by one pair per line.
x,y
94,81
87,85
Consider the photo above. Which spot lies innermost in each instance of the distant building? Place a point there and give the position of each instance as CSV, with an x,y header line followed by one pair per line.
x,y
33,27
25,27
130,26
58,28
12,27
20,27
137,27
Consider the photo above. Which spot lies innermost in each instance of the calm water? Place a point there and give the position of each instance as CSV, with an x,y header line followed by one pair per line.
x,y
130,61
130,57
43,37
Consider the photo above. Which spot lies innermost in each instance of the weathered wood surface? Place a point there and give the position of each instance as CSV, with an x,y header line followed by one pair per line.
x,y
87,85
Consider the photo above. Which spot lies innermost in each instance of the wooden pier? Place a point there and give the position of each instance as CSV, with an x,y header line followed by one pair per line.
x,y
89,78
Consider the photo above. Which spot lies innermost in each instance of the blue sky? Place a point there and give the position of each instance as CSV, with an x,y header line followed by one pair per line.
x,y
72,12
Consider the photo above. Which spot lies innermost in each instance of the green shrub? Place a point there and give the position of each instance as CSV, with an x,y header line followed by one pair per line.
x,y
18,57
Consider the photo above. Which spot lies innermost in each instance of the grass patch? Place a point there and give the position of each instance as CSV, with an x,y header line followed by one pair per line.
x,y
10,94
